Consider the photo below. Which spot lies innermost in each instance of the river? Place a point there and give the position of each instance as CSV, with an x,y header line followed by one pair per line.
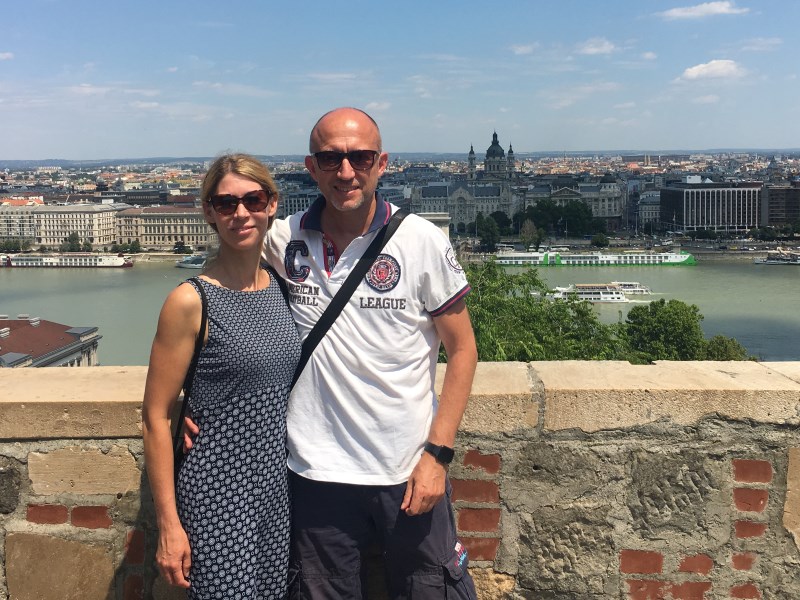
x,y
756,304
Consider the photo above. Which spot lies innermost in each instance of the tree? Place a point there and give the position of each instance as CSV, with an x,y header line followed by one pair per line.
x,y
87,246
600,240
503,222
71,243
721,347
529,235
665,330
136,246
513,321
488,232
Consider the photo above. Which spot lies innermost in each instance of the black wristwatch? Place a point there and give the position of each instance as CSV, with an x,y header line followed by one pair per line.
x,y
442,454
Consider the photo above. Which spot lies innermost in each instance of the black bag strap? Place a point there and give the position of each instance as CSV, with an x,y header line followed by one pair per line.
x,y
177,443
342,297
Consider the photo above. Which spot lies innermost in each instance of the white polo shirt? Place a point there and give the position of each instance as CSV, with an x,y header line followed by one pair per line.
x,y
361,411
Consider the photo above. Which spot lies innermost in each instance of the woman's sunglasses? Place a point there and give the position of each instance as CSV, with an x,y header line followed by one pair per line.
x,y
360,160
226,204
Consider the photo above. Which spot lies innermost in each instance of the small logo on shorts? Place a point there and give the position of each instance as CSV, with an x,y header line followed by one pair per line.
x,y
461,555
384,274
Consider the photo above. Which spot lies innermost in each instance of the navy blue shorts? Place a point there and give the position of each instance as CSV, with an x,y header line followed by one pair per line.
x,y
334,524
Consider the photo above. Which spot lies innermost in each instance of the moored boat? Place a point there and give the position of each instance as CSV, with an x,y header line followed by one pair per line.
x,y
633,288
780,256
65,260
595,259
591,292
196,261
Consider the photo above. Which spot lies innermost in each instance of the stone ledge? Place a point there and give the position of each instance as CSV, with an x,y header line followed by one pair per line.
x,y
595,396
53,403
105,402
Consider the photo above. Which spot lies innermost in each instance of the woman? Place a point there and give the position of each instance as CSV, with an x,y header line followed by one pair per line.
x,y
228,537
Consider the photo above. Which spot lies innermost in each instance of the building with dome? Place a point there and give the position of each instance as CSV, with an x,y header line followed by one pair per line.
x,y
497,166
483,192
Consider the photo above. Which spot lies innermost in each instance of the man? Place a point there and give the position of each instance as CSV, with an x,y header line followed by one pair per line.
x,y
362,410
368,443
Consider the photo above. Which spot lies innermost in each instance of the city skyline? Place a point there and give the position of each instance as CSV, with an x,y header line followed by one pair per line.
x,y
150,79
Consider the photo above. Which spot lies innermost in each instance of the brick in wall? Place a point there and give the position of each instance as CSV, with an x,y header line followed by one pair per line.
x,y
490,463
481,548
749,529
47,514
743,561
752,471
746,591
640,561
479,519
750,499
699,563
475,490
92,517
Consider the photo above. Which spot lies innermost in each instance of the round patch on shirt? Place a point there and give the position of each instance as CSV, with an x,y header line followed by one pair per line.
x,y
384,273
452,261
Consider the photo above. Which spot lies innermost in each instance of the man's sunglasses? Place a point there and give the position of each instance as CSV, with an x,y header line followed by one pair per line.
x,y
226,204
360,160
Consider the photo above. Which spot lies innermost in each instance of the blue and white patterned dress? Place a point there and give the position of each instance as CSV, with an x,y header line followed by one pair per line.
x,y
233,498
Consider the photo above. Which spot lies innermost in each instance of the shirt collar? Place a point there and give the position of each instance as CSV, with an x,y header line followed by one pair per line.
x,y
313,217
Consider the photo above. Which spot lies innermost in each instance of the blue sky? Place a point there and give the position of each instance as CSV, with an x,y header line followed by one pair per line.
x,y
84,79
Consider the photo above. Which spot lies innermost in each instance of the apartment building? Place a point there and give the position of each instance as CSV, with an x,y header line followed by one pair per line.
x,y
780,204
94,223
695,204
160,227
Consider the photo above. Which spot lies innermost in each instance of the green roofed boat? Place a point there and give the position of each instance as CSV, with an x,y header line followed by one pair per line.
x,y
634,258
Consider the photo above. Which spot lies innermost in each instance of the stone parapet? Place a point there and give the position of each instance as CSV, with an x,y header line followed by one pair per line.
x,y
572,480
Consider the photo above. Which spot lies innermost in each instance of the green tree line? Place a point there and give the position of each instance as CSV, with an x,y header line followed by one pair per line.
x,y
514,322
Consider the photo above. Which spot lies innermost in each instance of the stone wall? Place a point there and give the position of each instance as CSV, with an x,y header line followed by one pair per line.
x,y
572,480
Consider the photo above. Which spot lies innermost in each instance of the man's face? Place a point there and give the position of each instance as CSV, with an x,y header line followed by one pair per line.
x,y
345,188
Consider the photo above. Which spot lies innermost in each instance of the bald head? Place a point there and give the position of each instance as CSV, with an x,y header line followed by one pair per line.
x,y
344,119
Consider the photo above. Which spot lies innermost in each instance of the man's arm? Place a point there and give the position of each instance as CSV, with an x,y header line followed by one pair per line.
x,y
426,486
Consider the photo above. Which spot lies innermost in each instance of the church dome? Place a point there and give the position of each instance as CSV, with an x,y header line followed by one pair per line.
x,y
495,150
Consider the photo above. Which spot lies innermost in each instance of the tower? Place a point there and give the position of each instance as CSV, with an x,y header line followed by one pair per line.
x,y
471,164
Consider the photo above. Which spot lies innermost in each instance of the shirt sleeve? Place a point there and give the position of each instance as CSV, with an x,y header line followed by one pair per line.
x,y
443,281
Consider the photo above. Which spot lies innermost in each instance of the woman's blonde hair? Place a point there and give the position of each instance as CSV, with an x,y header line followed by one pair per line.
x,y
245,165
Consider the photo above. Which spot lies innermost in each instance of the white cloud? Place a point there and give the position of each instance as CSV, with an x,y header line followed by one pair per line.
x,y
625,105
6,55
234,89
333,77
87,89
441,57
762,44
649,55
378,106
144,105
710,99
567,97
706,9
142,92
523,49
716,69
172,69
596,46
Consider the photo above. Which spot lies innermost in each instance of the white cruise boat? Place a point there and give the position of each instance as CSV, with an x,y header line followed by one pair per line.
x,y
65,260
595,259
633,288
196,261
591,292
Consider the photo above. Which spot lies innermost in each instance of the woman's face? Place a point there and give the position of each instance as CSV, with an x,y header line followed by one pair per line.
x,y
244,227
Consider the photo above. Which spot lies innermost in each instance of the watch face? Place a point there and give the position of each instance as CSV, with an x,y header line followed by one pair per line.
x,y
446,454
443,454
